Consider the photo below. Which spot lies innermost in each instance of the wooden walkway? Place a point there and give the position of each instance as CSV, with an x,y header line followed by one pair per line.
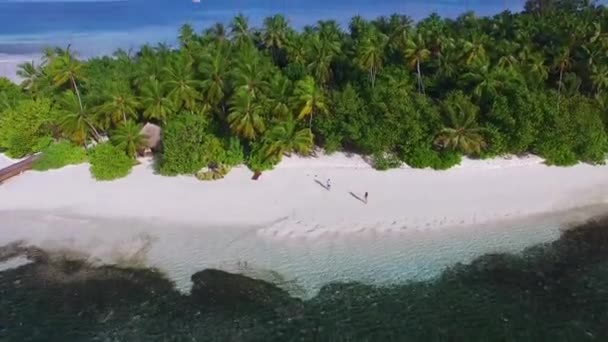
x,y
17,168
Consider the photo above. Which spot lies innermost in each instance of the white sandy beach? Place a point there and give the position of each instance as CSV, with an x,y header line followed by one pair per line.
x,y
416,222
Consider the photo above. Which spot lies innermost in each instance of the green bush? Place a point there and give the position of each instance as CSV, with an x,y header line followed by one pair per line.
x,y
59,155
23,128
234,152
385,161
258,162
183,141
425,157
214,173
108,162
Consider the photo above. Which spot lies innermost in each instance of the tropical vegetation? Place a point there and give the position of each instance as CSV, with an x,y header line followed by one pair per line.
x,y
425,93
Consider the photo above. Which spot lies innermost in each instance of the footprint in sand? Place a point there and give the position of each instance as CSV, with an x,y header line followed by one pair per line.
x,y
403,228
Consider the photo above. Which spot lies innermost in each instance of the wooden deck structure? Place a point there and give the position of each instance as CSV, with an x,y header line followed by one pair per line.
x,y
17,168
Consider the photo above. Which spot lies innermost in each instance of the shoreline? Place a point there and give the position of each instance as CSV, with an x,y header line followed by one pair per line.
x,y
475,192
286,228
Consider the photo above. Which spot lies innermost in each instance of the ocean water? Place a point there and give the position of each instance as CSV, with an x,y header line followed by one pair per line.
x,y
99,27
552,291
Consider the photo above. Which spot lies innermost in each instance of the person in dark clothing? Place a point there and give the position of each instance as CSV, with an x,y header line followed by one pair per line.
x,y
366,198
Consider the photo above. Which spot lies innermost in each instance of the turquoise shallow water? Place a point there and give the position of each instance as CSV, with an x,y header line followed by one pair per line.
x,y
551,292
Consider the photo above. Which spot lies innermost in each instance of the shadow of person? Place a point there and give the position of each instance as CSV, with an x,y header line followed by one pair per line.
x,y
321,184
357,197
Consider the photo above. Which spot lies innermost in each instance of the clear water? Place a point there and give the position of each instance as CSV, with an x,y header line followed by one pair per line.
x,y
551,292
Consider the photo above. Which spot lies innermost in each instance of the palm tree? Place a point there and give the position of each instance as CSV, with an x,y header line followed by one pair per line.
x,y
322,53
216,33
416,53
128,138
76,121
563,62
280,87
214,72
274,35
461,132
249,72
186,35
245,117
117,105
309,98
65,68
599,78
285,138
370,53
474,50
240,31
180,83
154,103
535,70
29,74
490,81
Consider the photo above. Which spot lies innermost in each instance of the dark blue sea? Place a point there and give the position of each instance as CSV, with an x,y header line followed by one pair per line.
x,y
95,27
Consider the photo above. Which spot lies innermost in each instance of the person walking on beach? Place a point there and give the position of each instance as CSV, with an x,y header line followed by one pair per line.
x,y
365,197
328,184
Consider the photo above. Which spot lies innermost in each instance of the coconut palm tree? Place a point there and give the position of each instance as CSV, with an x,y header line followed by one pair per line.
x,y
370,53
473,50
249,72
274,34
117,105
214,72
460,132
599,78
280,88
65,68
240,31
154,102
186,35
245,117
76,121
216,33
128,138
309,99
285,138
321,55
562,62
29,74
416,53
182,87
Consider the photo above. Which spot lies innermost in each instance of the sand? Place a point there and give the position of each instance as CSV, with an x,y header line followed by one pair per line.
x,y
416,222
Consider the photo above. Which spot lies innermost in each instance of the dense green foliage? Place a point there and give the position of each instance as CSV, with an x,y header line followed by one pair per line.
x,y
23,128
424,93
109,162
58,155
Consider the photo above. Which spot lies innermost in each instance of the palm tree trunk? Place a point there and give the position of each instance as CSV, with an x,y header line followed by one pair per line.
x,y
559,86
76,91
96,134
420,85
